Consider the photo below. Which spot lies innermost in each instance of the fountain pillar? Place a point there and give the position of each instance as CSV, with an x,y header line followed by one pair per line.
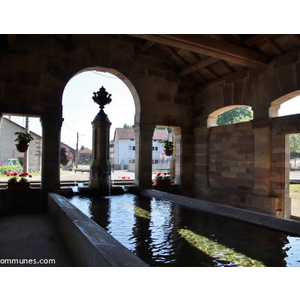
x,y
100,167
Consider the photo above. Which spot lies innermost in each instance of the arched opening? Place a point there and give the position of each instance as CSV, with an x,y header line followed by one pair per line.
x,y
79,110
233,114
285,106
282,106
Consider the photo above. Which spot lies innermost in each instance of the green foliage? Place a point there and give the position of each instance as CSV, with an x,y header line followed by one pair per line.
x,y
23,137
236,115
168,145
295,143
127,126
8,169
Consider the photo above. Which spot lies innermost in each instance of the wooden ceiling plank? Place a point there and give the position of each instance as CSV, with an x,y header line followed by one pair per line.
x,y
210,47
258,39
211,72
296,38
274,46
198,65
173,52
147,45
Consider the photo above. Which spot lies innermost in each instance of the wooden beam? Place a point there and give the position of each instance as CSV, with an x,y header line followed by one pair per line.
x,y
274,46
207,46
198,65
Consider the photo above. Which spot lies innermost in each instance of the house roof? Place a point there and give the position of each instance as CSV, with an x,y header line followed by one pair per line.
x,y
128,133
21,127
86,150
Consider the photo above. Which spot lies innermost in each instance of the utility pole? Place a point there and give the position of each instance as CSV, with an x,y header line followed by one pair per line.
x,y
76,153
26,154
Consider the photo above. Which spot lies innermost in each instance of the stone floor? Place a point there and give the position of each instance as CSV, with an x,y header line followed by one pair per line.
x,y
31,240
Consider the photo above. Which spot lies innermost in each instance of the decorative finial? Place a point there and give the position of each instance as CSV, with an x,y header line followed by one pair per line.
x,y
102,97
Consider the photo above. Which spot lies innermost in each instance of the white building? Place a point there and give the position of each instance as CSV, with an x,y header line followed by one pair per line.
x,y
124,147
8,148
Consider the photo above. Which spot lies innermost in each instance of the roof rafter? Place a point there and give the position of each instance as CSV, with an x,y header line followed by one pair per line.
x,y
207,46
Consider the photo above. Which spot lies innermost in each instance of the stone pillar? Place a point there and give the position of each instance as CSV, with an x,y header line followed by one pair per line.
x,y
262,157
177,152
143,155
100,167
50,175
184,165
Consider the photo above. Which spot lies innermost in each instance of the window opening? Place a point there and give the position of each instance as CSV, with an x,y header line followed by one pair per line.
x,y
13,161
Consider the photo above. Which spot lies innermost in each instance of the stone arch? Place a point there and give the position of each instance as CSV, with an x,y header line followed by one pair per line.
x,y
275,105
213,117
126,81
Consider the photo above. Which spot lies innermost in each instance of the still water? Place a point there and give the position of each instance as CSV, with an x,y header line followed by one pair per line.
x,y
166,234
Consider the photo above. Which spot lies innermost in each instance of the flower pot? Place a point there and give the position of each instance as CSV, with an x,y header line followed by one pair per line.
x,y
162,182
22,147
168,152
18,185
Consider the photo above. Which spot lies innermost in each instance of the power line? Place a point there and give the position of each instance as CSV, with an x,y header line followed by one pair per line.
x,y
64,123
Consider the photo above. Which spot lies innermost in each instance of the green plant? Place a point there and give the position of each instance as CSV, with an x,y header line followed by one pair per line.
x,y
12,179
168,145
22,177
23,137
162,176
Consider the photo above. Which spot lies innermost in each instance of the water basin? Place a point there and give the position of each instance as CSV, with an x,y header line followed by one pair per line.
x,y
166,234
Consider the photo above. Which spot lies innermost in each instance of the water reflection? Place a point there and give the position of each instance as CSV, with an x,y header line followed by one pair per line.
x,y
82,203
156,231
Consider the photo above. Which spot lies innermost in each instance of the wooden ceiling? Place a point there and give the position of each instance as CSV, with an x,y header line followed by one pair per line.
x,y
205,58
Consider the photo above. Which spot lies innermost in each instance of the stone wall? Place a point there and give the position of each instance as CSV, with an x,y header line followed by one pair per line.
x,y
246,165
231,157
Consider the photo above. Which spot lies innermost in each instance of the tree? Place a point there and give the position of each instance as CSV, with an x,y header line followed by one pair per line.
x,y
294,146
236,115
65,155
127,126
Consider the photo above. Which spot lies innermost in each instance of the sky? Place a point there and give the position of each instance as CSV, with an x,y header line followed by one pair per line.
x,y
79,109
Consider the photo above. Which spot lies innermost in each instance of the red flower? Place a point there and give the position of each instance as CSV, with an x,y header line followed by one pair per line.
x,y
25,173
30,176
158,174
7,174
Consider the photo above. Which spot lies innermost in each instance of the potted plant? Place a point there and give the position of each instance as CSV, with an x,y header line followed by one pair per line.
x,y
168,146
22,183
162,179
23,139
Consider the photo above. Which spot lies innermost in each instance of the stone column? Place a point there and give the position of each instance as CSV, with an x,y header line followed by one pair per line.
x,y
184,165
143,155
50,175
100,167
262,157
177,151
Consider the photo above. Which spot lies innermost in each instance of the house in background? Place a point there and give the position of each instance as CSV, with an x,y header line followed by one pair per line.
x,y
124,147
85,155
8,148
